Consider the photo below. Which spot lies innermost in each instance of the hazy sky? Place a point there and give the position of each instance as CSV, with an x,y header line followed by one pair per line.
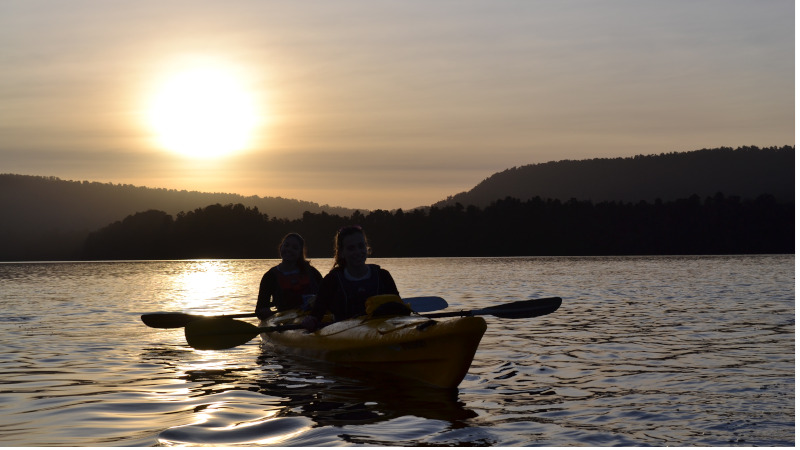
x,y
381,104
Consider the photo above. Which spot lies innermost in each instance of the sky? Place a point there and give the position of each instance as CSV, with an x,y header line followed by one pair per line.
x,y
377,104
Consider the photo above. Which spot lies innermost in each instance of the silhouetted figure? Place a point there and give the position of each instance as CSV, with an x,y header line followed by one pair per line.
x,y
284,286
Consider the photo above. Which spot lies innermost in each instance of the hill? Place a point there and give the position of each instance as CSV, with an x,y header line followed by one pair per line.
x,y
42,214
746,172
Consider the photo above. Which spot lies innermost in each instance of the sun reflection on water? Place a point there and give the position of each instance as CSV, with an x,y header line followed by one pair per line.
x,y
205,286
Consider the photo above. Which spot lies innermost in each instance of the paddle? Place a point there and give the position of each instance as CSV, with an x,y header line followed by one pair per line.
x,y
180,320
217,333
523,309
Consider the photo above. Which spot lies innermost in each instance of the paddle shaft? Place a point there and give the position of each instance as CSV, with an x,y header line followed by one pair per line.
x,y
180,320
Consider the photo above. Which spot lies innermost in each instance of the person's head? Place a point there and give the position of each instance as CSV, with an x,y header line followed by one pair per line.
x,y
293,249
350,247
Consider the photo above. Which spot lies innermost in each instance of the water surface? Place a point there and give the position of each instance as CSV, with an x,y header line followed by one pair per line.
x,y
679,351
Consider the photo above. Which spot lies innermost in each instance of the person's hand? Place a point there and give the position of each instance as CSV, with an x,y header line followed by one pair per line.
x,y
310,323
264,313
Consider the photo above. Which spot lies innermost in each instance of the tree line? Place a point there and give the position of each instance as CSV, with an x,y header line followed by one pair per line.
x,y
717,224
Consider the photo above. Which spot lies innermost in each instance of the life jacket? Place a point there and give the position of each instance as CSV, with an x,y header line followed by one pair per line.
x,y
294,286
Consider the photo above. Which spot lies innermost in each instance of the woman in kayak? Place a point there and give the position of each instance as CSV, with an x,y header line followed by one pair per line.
x,y
284,286
347,286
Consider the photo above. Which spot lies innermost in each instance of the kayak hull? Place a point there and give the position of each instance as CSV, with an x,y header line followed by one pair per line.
x,y
434,352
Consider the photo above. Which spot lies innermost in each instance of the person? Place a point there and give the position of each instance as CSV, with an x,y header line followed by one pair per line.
x,y
285,285
351,281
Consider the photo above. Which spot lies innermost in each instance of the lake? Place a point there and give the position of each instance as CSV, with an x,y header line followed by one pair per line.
x,y
644,351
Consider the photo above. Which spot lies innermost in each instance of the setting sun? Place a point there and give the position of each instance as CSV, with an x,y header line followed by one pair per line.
x,y
203,112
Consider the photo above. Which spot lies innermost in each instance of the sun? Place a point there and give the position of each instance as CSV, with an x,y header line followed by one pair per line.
x,y
203,111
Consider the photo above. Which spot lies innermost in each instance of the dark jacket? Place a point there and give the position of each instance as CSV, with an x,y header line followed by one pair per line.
x,y
346,298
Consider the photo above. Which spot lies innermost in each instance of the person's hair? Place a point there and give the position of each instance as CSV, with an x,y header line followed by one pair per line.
x,y
338,244
302,263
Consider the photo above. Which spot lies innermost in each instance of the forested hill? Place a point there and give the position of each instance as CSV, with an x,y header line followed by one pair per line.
x,y
39,214
745,172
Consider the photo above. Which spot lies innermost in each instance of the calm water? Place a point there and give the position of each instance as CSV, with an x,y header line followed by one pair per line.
x,y
659,351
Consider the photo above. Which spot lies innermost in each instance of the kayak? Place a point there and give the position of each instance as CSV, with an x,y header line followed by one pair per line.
x,y
435,352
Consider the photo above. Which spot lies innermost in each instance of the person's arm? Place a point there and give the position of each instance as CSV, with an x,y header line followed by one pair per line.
x,y
327,292
266,294
388,285
316,277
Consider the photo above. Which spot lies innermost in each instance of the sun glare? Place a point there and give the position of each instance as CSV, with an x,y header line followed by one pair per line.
x,y
203,112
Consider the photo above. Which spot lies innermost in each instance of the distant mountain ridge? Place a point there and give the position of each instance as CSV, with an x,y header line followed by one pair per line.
x,y
50,202
746,172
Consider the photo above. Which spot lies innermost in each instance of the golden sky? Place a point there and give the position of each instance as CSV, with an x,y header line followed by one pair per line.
x,y
380,104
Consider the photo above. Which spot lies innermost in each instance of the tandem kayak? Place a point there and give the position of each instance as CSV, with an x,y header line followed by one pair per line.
x,y
436,352
436,348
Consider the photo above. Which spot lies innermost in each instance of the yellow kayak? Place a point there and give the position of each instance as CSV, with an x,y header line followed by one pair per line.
x,y
436,348
437,352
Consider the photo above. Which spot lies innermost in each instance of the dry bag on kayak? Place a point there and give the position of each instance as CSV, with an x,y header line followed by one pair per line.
x,y
386,305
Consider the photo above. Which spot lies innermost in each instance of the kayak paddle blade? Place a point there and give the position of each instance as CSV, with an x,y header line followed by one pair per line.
x,y
426,304
167,319
523,309
180,320
219,333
